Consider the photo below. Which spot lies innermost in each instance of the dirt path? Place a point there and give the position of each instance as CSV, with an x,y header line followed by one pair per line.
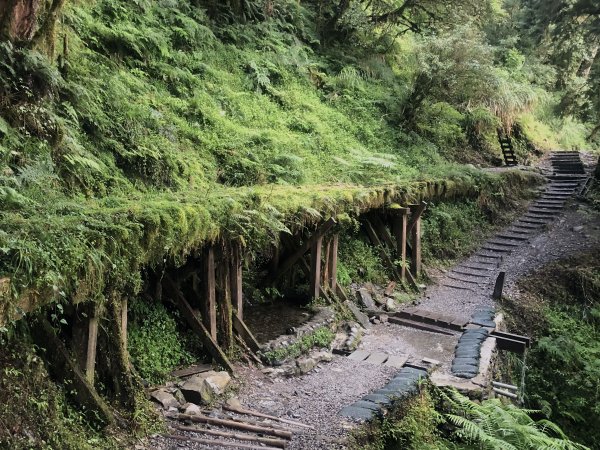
x,y
318,397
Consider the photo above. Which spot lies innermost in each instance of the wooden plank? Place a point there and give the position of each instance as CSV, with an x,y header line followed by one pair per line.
x,y
209,310
333,262
377,358
225,308
236,279
384,255
196,325
193,370
315,268
359,355
399,228
289,262
396,360
245,333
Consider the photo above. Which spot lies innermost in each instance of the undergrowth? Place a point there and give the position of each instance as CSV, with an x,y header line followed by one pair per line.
x,y
559,307
156,343
443,419
34,411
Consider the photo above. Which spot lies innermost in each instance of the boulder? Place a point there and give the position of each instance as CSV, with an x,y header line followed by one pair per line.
x,y
305,365
365,299
362,318
191,409
323,356
166,399
390,304
384,318
204,387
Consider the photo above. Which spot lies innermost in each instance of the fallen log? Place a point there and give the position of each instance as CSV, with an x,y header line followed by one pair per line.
x,y
279,443
217,443
233,424
266,416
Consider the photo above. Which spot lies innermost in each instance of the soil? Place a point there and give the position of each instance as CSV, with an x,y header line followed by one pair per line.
x,y
316,398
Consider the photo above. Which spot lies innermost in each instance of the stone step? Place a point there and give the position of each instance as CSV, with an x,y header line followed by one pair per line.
x,y
359,355
377,358
503,243
515,237
463,279
396,360
471,274
497,249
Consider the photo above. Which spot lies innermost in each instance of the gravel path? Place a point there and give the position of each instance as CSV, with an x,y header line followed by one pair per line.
x,y
316,398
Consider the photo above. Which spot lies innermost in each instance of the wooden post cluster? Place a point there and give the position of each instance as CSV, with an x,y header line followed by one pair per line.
x,y
404,240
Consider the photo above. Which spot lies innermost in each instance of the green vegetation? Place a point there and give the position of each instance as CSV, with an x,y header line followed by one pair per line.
x,y
34,412
560,307
445,419
155,344
321,337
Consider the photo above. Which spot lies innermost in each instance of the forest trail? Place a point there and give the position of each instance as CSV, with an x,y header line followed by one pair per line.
x,y
336,396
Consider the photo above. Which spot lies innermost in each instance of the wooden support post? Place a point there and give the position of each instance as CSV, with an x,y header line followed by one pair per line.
x,y
236,279
196,325
325,272
497,295
414,227
315,267
382,252
92,344
63,369
124,322
225,308
333,260
289,262
209,310
382,231
399,228
245,333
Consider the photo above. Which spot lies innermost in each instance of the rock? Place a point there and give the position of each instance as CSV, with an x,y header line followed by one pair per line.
x,y
191,409
365,299
204,387
165,399
376,321
384,318
360,316
234,402
390,305
323,356
305,365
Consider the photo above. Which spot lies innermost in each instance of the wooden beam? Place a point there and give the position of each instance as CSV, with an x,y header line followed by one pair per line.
x,y
225,308
382,231
399,228
63,369
315,267
245,333
196,325
289,262
236,279
209,310
384,255
333,261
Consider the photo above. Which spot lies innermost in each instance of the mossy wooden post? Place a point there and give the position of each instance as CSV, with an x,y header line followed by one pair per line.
x,y
399,227
85,338
209,310
325,271
414,228
124,308
225,309
315,267
333,260
236,279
